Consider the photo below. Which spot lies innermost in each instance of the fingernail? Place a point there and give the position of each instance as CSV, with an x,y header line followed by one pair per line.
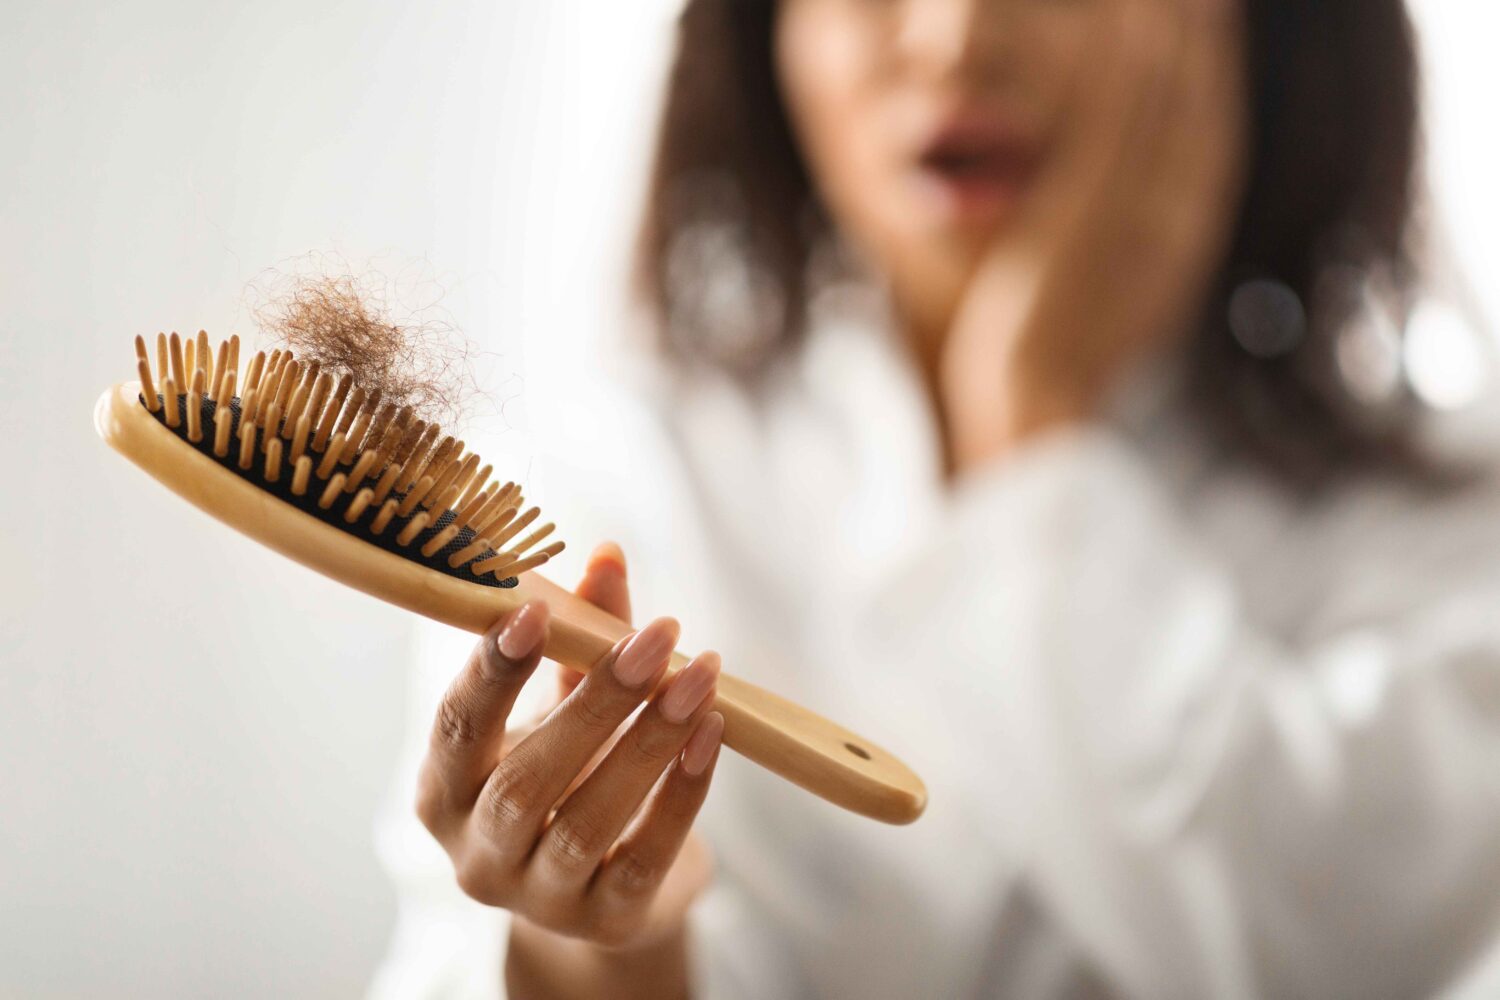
x,y
610,554
521,635
646,651
690,688
702,744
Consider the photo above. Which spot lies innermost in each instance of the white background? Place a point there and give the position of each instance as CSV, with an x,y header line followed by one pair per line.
x,y
190,759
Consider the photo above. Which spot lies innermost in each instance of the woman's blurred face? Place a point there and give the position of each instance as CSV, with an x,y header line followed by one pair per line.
x,y
925,122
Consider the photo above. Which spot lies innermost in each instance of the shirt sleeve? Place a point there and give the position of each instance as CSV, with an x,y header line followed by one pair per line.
x,y
1214,810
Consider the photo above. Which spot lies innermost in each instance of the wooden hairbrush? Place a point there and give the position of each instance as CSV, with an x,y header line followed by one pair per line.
x,y
363,492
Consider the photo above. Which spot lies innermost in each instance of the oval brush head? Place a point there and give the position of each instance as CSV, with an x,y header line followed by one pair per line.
x,y
363,491
345,457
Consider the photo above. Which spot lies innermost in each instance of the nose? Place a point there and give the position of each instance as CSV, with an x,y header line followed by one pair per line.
x,y
964,41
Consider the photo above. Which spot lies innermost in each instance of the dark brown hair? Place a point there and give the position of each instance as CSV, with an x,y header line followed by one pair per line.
x,y
733,227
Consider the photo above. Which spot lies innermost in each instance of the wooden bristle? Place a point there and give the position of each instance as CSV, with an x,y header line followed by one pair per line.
x,y
403,422
247,444
216,384
477,483
387,482
362,468
148,390
444,458
413,529
294,409
223,424
415,495
234,352
225,391
291,372
331,413
205,357
508,532
525,544
331,491
379,427
533,561
331,457
169,396
501,510
359,505
467,512
195,408
319,397
161,356
474,549
300,435
383,519
248,403
352,409
190,358
439,499
436,542
273,458
410,440
412,464
373,458
452,497
356,434
425,459
390,440
301,475
179,373
507,565
271,422
270,383
140,350
221,364
257,369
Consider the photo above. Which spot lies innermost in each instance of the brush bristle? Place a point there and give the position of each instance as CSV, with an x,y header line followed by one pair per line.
x,y
343,456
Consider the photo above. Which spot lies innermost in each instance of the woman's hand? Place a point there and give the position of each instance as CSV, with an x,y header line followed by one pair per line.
x,y
1110,257
579,827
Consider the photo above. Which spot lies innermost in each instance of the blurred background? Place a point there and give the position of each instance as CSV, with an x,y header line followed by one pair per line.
x,y
192,764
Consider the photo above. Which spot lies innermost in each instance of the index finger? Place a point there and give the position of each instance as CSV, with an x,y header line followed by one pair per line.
x,y
470,724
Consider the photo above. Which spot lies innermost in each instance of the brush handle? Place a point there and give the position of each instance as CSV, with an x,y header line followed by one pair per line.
x,y
801,746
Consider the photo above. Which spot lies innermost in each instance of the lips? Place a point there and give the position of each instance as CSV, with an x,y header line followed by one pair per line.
x,y
974,165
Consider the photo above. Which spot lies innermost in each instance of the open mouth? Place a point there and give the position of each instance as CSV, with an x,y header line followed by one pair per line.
x,y
972,164
975,168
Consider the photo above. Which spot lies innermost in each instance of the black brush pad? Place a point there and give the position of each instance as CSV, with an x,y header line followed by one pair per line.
x,y
308,502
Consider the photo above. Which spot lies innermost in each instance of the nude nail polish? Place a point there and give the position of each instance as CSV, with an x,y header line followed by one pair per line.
x,y
702,744
523,632
646,652
690,688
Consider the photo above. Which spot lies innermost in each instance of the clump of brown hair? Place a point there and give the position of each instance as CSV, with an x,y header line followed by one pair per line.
x,y
341,323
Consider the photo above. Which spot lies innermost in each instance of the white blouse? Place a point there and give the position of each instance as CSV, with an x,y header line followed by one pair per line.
x,y
1184,733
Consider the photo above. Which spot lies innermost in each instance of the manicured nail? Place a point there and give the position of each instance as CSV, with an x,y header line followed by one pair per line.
x,y
702,744
690,688
524,631
646,652
610,554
